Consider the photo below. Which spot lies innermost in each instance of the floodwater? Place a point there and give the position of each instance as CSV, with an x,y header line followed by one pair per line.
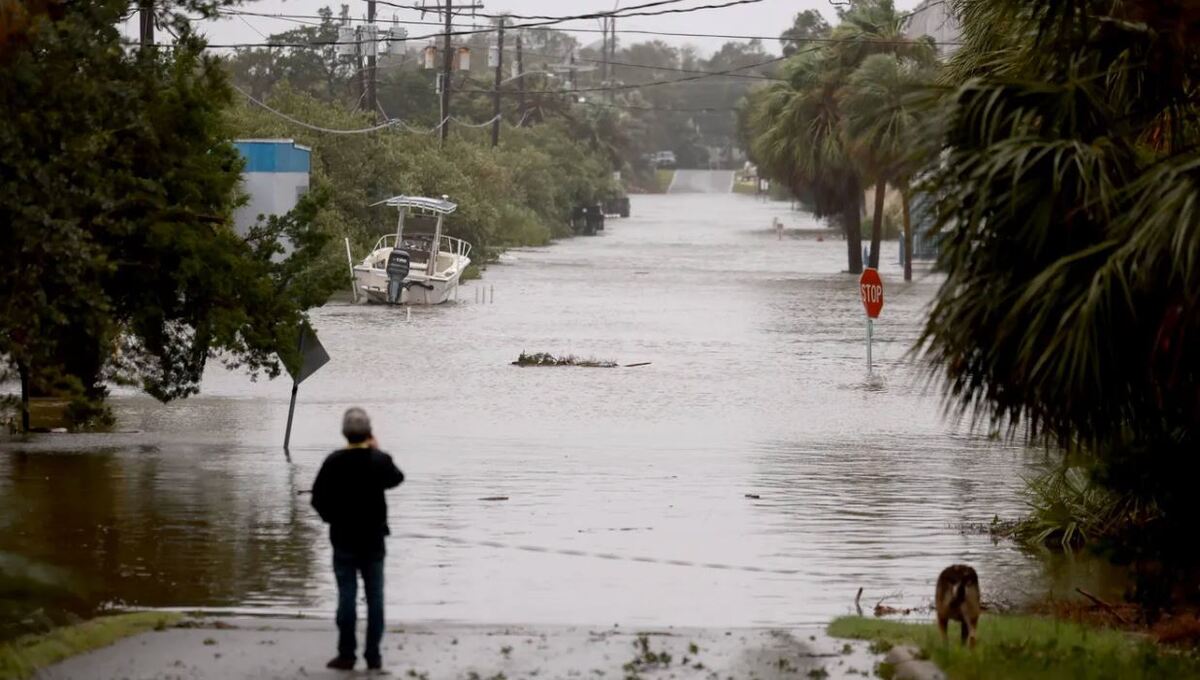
x,y
757,386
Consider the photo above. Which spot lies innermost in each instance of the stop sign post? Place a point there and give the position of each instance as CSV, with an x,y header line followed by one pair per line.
x,y
870,289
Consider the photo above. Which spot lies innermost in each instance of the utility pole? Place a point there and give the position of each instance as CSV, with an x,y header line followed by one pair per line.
x,y
612,56
572,75
146,20
372,100
447,66
360,84
604,66
499,75
520,83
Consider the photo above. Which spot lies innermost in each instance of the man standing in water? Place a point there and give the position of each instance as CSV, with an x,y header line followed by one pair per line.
x,y
348,494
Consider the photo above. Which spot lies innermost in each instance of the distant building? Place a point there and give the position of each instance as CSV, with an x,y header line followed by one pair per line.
x,y
275,177
935,18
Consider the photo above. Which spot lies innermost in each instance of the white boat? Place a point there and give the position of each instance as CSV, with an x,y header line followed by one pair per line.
x,y
424,269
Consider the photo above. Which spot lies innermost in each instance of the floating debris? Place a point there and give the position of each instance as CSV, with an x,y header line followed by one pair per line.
x,y
547,359
494,498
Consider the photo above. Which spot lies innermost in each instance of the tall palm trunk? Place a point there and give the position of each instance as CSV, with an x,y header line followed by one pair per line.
x,y
908,235
852,223
877,224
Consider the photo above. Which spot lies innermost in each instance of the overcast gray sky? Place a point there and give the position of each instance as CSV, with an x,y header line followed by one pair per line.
x,y
767,18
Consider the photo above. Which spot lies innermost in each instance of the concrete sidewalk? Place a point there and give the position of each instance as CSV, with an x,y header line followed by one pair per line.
x,y
236,648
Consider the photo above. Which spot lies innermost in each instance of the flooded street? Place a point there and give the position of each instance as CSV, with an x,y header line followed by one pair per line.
x,y
757,386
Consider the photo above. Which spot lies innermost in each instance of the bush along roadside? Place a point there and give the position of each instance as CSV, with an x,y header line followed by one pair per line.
x,y
1027,647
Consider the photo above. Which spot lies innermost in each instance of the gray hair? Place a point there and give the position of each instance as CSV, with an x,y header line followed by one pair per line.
x,y
356,426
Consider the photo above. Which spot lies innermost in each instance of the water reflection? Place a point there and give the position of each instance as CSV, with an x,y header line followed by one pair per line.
x,y
757,386
143,528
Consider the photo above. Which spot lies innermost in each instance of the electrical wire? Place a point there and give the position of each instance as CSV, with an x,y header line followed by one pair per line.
x,y
395,122
563,29
310,126
622,12
493,29
667,34
637,86
676,69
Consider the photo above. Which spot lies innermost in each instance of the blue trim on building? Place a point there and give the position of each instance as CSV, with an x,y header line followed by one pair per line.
x,y
276,155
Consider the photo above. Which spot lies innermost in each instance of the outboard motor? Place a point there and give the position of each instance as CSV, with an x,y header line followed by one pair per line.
x,y
398,265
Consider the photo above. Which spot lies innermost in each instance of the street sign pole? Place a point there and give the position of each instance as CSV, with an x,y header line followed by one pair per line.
x,y
312,357
870,332
287,436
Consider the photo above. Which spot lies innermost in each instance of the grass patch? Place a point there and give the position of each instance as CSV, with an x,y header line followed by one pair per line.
x,y
1030,647
24,656
547,359
662,179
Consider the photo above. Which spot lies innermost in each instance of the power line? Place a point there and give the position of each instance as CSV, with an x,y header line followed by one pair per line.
x,y
676,69
394,122
591,60
622,12
653,83
539,24
665,109
822,41
631,31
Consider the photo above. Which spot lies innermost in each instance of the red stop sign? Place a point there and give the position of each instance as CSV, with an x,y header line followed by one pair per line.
x,y
870,287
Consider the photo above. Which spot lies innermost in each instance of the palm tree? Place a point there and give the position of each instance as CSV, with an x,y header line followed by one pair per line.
x,y
799,140
799,126
884,116
1069,219
872,29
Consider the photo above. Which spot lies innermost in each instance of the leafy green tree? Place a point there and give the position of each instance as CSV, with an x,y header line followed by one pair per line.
x,y
317,70
1068,209
120,262
808,27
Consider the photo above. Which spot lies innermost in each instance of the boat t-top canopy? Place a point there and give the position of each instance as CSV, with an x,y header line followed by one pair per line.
x,y
441,206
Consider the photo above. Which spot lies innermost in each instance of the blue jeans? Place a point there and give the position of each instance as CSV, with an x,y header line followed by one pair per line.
x,y
346,567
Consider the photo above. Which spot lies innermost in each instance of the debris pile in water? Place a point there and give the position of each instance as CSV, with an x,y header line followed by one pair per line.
x,y
547,359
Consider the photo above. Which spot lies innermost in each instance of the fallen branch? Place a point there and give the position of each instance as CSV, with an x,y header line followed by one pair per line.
x,y
1103,605
547,359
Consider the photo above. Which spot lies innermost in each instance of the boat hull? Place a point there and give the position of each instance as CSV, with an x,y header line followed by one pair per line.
x,y
372,285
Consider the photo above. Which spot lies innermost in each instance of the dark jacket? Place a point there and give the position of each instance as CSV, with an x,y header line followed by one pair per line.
x,y
348,494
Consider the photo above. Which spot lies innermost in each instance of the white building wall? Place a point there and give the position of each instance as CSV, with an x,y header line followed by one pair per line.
x,y
274,178
935,19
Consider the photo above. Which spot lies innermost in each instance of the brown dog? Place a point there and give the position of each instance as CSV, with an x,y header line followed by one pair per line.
x,y
957,599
